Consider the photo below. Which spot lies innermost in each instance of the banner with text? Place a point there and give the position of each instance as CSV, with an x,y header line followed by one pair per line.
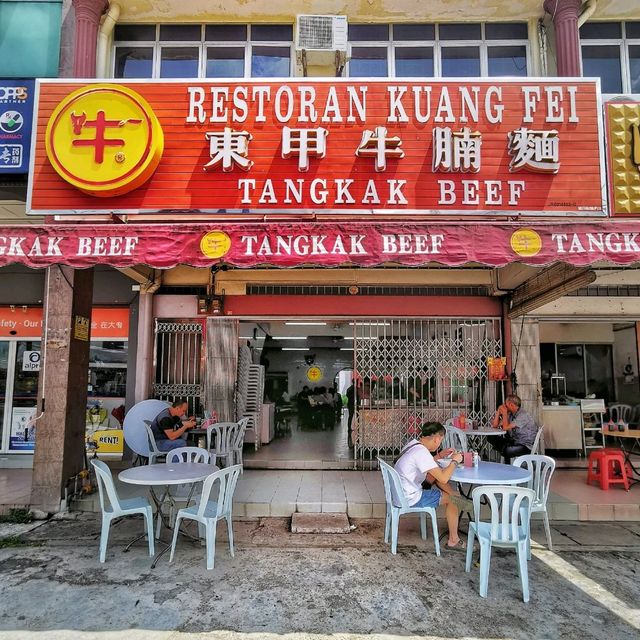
x,y
285,245
254,147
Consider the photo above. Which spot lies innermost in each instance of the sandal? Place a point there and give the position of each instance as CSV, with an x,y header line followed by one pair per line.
x,y
461,545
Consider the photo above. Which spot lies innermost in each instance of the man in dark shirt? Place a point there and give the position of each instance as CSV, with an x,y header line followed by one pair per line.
x,y
520,428
168,428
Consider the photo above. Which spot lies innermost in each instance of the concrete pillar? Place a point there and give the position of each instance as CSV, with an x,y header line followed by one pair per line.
x,y
525,347
62,388
564,14
88,13
144,352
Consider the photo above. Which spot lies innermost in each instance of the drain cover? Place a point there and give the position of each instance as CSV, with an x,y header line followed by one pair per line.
x,y
319,523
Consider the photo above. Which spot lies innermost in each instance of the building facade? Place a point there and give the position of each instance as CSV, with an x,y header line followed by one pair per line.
x,y
450,208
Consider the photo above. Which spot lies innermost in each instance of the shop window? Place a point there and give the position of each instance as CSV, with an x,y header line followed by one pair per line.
x,y
179,62
134,62
107,369
611,52
445,50
584,369
4,368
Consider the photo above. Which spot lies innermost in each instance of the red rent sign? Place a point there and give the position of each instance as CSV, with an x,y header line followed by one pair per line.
x,y
335,146
366,244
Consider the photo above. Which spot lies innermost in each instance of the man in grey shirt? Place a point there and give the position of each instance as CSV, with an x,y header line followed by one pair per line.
x,y
520,427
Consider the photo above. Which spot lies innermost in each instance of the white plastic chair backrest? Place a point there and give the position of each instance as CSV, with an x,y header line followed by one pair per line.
x,y
448,422
153,447
243,423
535,449
393,491
506,504
228,479
455,439
542,468
188,454
224,436
619,412
105,483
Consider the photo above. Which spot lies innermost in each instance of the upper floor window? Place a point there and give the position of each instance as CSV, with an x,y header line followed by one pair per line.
x,y
203,51
611,52
440,51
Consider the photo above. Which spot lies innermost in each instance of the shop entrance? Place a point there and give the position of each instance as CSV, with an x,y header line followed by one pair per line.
x,y
405,372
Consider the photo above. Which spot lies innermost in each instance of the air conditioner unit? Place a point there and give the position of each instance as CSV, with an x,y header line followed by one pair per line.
x,y
321,33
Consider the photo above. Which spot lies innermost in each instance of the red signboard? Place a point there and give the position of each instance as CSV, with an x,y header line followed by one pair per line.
x,y
282,245
24,321
336,146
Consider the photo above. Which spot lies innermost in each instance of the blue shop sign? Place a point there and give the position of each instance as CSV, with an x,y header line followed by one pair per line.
x,y
16,121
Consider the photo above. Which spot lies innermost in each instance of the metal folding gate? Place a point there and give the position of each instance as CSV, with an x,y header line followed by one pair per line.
x,y
413,371
177,360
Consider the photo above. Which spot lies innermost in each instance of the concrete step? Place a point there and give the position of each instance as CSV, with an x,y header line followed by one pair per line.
x,y
320,523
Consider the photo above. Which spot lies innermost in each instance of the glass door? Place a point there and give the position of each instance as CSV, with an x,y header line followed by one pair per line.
x,y
4,371
25,395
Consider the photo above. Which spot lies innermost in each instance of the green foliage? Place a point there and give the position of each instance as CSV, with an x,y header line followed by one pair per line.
x,y
17,516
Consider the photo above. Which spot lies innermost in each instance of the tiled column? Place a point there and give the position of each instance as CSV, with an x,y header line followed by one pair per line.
x,y
88,14
564,14
526,362
62,387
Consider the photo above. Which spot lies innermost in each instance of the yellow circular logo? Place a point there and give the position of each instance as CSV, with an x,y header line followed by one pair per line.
x,y
314,374
526,243
215,244
104,139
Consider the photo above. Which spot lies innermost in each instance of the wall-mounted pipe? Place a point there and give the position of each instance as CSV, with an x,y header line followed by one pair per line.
x,y
104,39
588,9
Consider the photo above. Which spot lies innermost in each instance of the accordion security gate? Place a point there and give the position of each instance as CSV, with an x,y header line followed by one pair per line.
x,y
418,370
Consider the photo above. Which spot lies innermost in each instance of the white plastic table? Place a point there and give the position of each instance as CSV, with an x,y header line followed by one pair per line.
x,y
166,475
477,439
491,473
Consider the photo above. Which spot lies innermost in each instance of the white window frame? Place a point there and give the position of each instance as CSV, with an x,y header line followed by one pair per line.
x,y
202,45
438,45
623,43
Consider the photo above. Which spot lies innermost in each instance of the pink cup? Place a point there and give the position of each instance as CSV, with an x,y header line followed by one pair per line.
x,y
467,459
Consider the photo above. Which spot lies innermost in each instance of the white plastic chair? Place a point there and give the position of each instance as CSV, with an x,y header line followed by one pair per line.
x,y
207,512
535,449
542,468
225,433
117,508
238,442
397,505
618,412
509,527
455,438
180,492
154,452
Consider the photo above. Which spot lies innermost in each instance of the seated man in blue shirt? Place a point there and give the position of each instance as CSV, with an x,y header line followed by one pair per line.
x,y
520,429
168,428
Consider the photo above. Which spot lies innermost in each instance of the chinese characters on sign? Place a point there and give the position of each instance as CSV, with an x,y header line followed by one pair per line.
x,y
341,146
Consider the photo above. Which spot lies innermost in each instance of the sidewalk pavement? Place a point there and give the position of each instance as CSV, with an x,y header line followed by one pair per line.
x,y
313,586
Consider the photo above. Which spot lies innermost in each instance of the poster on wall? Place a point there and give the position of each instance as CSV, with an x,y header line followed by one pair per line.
x,y
23,430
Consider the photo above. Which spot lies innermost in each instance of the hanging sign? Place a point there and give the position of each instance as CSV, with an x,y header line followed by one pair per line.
x,y
81,328
31,361
497,368
322,146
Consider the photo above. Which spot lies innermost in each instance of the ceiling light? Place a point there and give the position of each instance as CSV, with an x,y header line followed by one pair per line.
x,y
295,349
314,324
346,348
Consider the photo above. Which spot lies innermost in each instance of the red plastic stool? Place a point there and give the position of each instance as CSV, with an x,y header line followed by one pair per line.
x,y
602,468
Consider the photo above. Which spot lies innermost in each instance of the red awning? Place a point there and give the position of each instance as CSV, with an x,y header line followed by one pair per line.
x,y
163,246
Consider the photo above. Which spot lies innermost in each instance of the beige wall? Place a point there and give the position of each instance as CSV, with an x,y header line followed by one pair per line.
x,y
577,332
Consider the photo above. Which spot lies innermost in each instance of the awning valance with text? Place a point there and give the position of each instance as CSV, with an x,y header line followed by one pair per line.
x,y
162,246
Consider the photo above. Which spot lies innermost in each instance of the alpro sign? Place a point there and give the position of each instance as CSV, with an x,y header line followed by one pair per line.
x,y
253,147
